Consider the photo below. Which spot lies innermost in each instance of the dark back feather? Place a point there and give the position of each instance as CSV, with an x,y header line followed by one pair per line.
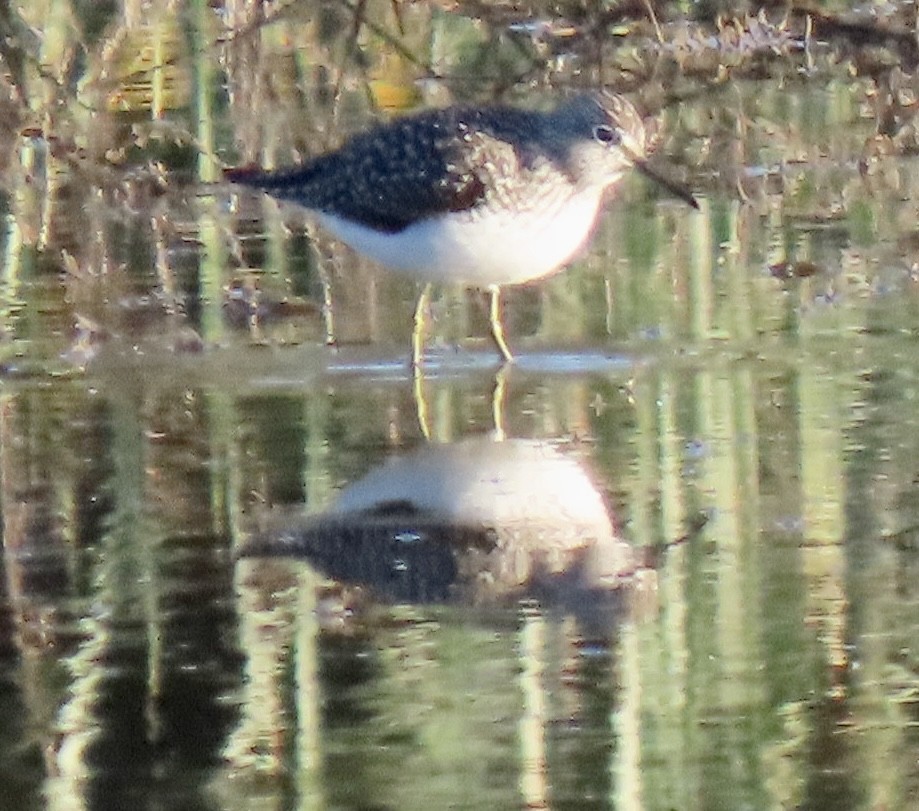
x,y
415,167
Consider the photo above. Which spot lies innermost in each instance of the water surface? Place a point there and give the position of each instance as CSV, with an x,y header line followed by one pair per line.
x,y
664,561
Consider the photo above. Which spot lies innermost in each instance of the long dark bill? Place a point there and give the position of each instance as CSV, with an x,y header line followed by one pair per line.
x,y
676,189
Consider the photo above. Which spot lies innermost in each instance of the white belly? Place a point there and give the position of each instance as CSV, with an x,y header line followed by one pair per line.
x,y
482,248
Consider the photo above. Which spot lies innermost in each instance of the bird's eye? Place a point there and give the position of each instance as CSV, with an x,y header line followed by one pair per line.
x,y
606,134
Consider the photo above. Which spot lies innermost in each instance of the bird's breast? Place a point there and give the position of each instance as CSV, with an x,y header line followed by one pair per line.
x,y
481,247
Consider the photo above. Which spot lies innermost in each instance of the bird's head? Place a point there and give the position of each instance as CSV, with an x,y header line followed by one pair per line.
x,y
606,137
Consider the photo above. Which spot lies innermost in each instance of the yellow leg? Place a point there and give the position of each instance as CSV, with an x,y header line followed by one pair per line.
x,y
421,403
494,319
498,401
421,309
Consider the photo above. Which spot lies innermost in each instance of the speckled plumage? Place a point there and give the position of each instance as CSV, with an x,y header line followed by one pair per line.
x,y
458,159
485,196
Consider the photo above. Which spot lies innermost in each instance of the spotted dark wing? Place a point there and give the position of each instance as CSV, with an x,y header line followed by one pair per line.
x,y
400,173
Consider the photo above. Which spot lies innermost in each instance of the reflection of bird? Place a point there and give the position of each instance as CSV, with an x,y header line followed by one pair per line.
x,y
484,196
475,521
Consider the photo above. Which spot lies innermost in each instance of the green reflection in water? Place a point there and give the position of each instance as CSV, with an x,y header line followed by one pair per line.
x,y
752,365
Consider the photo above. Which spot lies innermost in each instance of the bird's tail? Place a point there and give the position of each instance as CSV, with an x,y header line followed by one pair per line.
x,y
282,183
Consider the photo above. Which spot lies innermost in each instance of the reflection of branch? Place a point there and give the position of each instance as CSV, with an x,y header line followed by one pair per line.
x,y
904,540
651,555
361,19
861,33
258,21
12,51
357,10
15,55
